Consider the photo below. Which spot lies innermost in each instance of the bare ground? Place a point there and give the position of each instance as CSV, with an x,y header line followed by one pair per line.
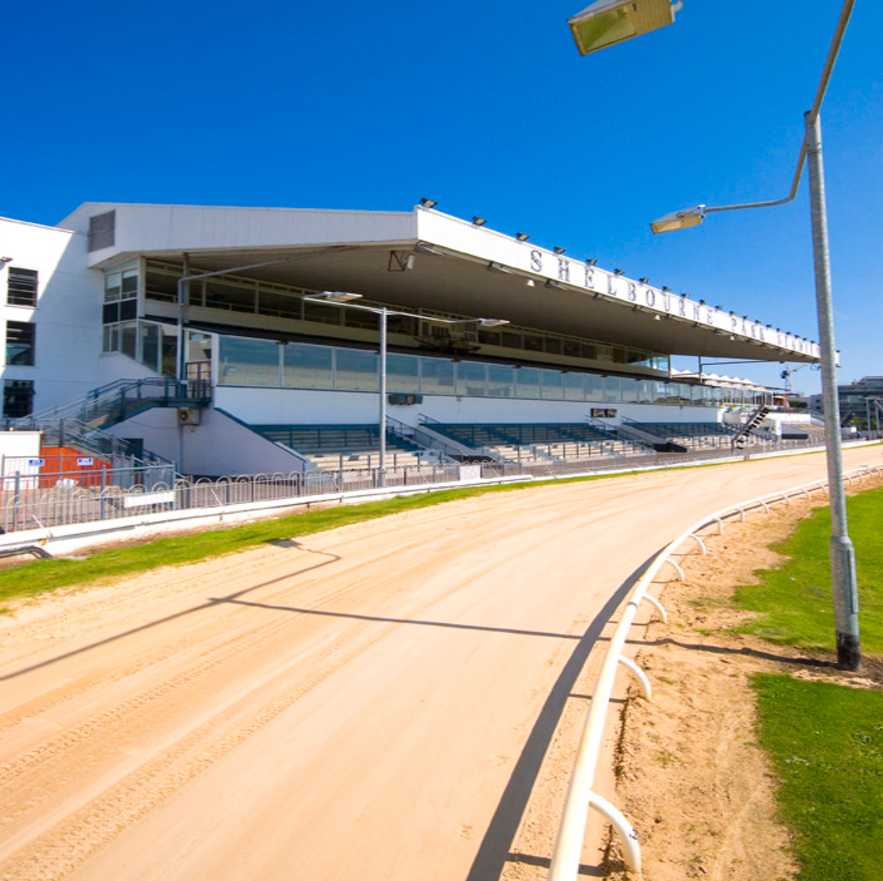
x,y
302,710
690,775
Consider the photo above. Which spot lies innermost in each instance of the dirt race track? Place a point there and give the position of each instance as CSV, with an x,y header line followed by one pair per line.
x,y
369,703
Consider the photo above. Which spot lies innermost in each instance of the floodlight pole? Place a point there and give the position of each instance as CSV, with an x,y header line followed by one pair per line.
x,y
843,575
342,300
844,583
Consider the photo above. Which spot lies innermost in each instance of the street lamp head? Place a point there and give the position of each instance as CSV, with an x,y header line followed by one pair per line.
x,y
679,219
608,22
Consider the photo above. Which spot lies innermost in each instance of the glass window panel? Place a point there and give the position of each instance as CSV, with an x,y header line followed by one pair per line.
x,y
112,287
18,397
248,362
129,284
472,378
403,373
594,387
162,286
150,346
308,366
553,384
590,351
437,376
533,343
22,286
553,345
20,343
575,386
322,312
400,324
220,294
512,339
629,389
501,380
129,339
356,370
279,304
612,389
528,382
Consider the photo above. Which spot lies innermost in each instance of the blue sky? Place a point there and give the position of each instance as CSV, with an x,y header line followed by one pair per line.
x,y
489,109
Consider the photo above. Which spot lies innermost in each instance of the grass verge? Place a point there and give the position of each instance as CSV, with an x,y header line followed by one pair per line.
x,y
825,740
826,745
794,600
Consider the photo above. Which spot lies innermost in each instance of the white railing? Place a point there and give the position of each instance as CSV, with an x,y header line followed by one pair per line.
x,y
580,795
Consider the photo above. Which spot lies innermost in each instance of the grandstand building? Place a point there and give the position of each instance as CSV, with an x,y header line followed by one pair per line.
x,y
201,334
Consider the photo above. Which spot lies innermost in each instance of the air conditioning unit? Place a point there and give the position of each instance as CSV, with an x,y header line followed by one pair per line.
x,y
188,416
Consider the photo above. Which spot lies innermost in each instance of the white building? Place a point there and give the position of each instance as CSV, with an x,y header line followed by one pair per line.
x,y
100,300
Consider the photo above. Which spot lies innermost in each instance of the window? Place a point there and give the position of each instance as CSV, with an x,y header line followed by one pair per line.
x,y
20,342
22,287
18,398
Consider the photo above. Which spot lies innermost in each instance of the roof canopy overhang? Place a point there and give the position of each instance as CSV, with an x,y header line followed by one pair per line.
x,y
429,260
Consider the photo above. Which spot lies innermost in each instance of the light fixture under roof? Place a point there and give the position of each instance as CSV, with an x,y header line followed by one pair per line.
x,y
558,249
428,203
334,296
522,236
479,221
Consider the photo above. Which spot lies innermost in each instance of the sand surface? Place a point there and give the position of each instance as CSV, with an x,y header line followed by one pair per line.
x,y
390,700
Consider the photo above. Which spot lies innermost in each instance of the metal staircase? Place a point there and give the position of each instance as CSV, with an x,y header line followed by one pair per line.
x,y
741,437
82,424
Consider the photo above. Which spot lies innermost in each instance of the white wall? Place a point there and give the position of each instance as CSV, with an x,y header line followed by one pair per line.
x,y
67,315
216,447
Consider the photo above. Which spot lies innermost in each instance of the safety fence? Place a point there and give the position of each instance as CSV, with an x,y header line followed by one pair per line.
x,y
581,795
45,498
26,504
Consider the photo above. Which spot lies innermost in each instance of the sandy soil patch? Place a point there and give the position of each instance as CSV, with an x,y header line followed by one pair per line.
x,y
690,776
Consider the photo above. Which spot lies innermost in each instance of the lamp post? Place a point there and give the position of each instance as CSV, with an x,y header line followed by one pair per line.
x,y
842,553
343,299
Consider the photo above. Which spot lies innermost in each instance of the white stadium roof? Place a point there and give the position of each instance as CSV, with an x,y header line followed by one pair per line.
x,y
426,259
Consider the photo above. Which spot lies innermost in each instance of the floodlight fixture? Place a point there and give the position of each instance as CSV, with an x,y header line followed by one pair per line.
x,y
558,249
644,280
522,236
608,22
618,271
492,322
680,219
334,297
479,221
5,259
592,261
428,203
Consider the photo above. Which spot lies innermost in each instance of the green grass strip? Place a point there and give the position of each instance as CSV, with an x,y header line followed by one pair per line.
x,y
795,600
826,745
39,576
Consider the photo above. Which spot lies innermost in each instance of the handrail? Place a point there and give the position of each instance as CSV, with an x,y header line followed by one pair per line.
x,y
580,796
